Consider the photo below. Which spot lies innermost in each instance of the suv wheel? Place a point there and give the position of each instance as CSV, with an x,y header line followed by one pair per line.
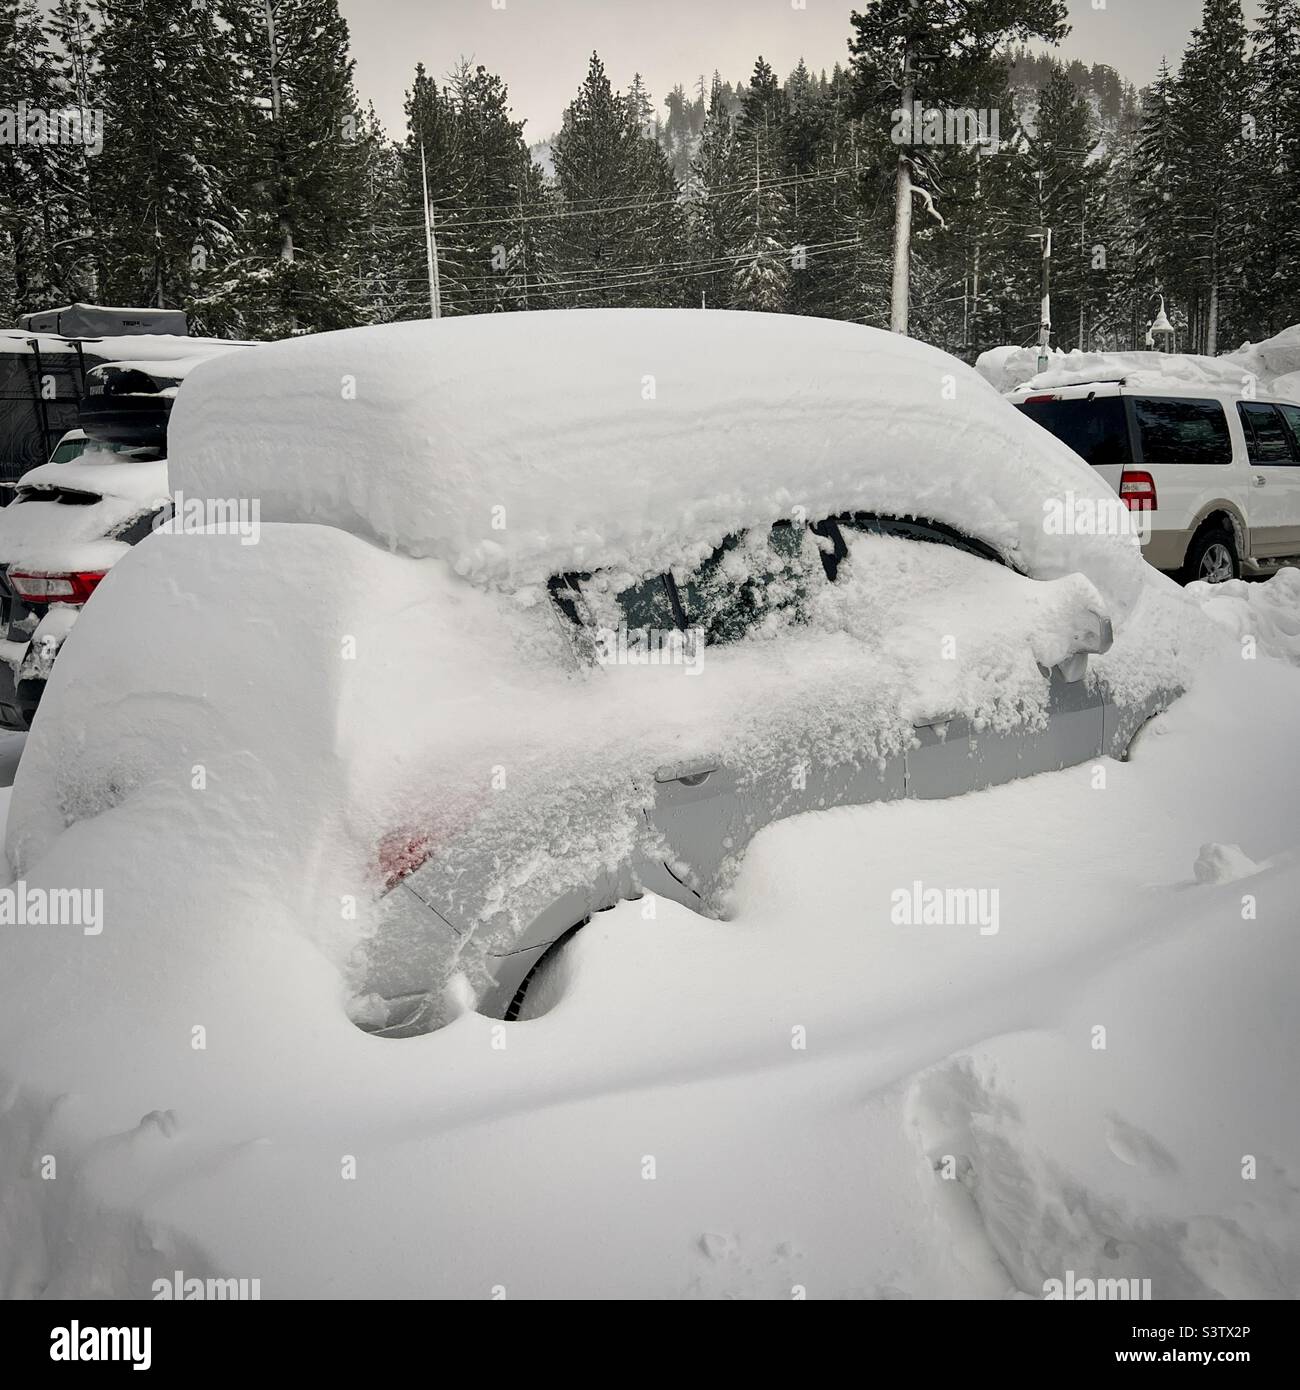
x,y
1212,557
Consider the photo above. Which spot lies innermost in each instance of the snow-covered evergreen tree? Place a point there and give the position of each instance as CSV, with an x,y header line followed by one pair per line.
x,y
1210,109
620,225
33,191
163,186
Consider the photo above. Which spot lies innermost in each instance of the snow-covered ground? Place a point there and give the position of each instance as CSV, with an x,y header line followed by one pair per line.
x,y
811,1096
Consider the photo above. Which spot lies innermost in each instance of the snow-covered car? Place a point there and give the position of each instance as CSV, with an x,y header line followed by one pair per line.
x,y
69,523
567,607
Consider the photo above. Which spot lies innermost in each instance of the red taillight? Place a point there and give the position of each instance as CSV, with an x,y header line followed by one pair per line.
x,y
1137,491
401,854
1038,400
73,587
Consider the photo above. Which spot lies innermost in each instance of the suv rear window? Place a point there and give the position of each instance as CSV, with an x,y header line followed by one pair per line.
x,y
1176,430
1096,429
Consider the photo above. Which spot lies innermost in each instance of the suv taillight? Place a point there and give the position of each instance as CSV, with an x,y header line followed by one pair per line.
x,y
1137,491
72,587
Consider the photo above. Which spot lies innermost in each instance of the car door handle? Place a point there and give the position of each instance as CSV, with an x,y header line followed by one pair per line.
x,y
1259,480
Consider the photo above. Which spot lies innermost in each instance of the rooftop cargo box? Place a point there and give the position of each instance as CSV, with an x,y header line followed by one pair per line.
x,y
92,321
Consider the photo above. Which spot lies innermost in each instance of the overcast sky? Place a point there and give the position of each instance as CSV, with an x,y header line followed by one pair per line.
x,y
541,47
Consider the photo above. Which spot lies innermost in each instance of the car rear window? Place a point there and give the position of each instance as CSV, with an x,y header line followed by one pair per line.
x,y
1097,429
1176,430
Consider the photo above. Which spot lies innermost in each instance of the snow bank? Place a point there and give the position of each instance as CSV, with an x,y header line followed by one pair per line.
x,y
1275,361
1010,369
1265,618
812,1035
1273,366
520,446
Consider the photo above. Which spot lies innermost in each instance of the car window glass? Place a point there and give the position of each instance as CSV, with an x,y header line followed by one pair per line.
x,y
1097,430
1182,431
1291,414
753,584
616,601
1266,435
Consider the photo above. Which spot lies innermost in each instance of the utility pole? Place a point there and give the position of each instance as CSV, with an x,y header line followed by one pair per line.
x,y
1045,326
902,286
430,243
1083,271
523,237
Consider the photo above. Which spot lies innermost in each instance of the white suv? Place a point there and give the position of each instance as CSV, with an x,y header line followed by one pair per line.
x,y
1217,474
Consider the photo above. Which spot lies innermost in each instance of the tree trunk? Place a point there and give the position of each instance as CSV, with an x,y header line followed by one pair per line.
x,y
900,294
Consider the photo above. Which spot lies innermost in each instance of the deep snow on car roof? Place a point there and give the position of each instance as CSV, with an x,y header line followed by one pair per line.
x,y
517,446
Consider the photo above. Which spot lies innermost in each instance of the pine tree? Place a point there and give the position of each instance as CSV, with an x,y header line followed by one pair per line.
x,y
77,252
301,168
163,182
1271,279
621,229
431,153
378,277
761,280
1210,108
501,196
944,53
31,167
714,207
763,255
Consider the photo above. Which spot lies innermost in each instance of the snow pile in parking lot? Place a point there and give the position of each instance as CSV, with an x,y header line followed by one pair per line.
x,y
1275,361
1272,367
520,446
1265,618
1010,369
